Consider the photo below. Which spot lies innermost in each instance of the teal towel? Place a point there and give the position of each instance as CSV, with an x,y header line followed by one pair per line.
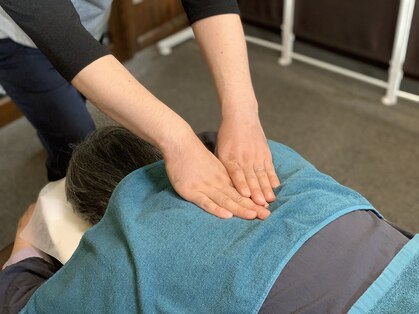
x,y
154,252
396,290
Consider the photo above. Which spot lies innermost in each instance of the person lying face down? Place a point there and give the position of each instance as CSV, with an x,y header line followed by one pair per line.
x,y
172,256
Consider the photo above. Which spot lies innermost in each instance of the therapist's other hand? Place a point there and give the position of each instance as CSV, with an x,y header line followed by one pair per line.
x,y
243,149
199,177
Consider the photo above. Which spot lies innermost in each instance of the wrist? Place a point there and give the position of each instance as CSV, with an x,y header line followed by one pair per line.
x,y
176,140
242,113
244,108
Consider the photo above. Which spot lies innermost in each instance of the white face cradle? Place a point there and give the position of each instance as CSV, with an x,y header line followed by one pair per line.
x,y
54,227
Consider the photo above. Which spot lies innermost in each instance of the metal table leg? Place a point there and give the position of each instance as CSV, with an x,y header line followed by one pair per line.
x,y
287,34
401,39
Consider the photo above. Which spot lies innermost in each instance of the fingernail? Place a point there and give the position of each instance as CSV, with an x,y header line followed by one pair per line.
x,y
266,205
264,214
228,215
271,195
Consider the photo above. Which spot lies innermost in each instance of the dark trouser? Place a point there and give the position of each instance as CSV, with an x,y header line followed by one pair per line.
x,y
49,102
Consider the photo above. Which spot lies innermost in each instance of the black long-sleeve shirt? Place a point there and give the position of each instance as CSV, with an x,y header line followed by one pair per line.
x,y
55,27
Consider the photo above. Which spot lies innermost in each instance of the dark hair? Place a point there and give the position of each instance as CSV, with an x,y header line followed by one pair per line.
x,y
99,163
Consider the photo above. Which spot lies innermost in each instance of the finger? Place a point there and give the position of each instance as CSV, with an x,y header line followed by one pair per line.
x,y
273,177
223,200
261,211
265,185
237,176
253,182
211,207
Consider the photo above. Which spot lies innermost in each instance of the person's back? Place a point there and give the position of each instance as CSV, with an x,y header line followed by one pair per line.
x,y
155,252
161,253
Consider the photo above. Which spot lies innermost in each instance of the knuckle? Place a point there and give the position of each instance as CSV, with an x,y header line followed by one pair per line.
x,y
237,173
267,190
224,201
193,186
253,182
265,185
238,198
255,188
207,204
217,211
232,164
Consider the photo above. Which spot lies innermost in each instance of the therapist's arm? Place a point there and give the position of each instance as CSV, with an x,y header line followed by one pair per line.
x,y
194,172
242,146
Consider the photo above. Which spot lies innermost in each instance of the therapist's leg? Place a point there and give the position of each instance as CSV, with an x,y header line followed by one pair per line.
x,y
50,103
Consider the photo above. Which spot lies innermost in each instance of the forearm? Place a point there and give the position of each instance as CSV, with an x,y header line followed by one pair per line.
x,y
222,41
242,145
99,76
95,73
118,94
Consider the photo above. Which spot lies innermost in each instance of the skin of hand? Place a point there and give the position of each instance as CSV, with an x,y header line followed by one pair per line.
x,y
21,244
209,187
244,151
242,146
195,173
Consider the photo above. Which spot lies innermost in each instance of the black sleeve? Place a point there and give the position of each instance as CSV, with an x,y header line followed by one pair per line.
x,y
56,29
19,281
200,9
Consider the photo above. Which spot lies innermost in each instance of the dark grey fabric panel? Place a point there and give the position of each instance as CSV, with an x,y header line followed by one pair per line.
x,y
336,266
264,13
411,66
363,29
357,27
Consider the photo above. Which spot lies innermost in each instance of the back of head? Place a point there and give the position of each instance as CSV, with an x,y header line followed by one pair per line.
x,y
99,163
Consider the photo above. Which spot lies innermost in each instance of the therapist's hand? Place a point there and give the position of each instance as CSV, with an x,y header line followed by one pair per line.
x,y
199,177
243,149
242,146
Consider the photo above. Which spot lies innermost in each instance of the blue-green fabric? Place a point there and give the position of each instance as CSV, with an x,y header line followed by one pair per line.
x,y
153,252
396,290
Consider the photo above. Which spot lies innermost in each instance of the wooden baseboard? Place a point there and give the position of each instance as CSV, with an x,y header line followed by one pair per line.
x,y
8,111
